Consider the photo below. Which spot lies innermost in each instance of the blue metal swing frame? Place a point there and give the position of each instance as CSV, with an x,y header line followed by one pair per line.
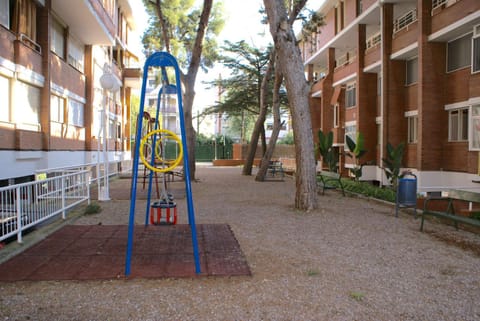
x,y
162,60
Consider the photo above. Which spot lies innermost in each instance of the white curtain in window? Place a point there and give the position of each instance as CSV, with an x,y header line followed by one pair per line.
x,y
27,104
5,94
75,113
58,39
5,13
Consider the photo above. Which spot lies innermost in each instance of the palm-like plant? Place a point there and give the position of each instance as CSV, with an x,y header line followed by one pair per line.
x,y
326,150
356,151
393,162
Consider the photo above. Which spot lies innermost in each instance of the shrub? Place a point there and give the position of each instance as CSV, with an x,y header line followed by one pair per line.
x,y
93,208
367,189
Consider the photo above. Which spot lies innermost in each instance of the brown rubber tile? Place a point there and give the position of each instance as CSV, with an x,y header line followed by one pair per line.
x,y
91,252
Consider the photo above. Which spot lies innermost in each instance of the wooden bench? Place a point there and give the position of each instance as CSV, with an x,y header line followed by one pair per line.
x,y
325,180
449,213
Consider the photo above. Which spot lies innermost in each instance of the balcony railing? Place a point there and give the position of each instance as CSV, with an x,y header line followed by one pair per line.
x,y
374,40
438,3
405,20
345,60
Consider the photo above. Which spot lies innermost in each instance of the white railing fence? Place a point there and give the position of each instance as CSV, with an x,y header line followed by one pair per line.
x,y
25,205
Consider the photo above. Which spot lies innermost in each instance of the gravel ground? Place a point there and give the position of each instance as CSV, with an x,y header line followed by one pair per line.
x,y
349,260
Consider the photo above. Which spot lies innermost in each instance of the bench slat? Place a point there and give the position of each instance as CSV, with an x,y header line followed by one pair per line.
x,y
449,213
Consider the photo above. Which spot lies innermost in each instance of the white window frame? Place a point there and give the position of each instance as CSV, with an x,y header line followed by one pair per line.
x,y
350,130
57,109
57,45
476,49
27,105
5,89
5,13
468,62
412,136
76,54
474,128
456,119
76,113
336,115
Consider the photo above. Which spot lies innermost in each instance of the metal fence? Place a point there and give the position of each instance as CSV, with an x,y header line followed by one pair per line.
x,y
25,205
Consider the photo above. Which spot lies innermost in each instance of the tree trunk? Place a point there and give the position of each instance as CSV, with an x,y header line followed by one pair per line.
x,y
259,123
277,125
189,83
290,62
188,96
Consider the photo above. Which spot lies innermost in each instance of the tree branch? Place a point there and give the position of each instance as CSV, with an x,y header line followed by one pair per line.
x,y
163,24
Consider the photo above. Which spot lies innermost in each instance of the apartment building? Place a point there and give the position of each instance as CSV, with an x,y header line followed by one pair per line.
x,y
401,71
54,112
165,99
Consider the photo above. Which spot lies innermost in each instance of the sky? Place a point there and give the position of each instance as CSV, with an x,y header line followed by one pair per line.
x,y
242,22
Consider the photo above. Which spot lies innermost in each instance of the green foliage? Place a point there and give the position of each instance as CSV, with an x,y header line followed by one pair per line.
x,y
326,150
369,190
311,23
475,215
92,208
357,296
181,19
313,272
393,162
288,139
356,151
241,91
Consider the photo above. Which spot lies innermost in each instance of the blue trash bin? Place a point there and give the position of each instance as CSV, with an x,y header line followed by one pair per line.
x,y
406,193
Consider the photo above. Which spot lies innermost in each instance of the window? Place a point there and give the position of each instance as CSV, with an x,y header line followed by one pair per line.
x,y
350,130
411,71
458,125
5,13
27,104
476,49
412,129
459,53
76,54
379,86
24,20
351,96
359,7
75,113
475,131
339,17
57,109
58,39
336,115
5,94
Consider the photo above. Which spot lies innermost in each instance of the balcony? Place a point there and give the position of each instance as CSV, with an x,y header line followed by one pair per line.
x,y
404,21
87,19
454,18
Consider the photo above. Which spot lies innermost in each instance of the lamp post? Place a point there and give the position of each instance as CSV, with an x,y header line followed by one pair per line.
x,y
109,84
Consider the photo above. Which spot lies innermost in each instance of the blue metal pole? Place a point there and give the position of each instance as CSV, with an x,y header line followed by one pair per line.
x,y
133,187
186,173
162,59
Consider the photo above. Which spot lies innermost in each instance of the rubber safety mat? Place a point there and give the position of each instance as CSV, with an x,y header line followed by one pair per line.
x,y
90,252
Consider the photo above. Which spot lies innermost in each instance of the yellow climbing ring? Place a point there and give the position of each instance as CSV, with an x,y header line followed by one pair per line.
x,y
164,134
